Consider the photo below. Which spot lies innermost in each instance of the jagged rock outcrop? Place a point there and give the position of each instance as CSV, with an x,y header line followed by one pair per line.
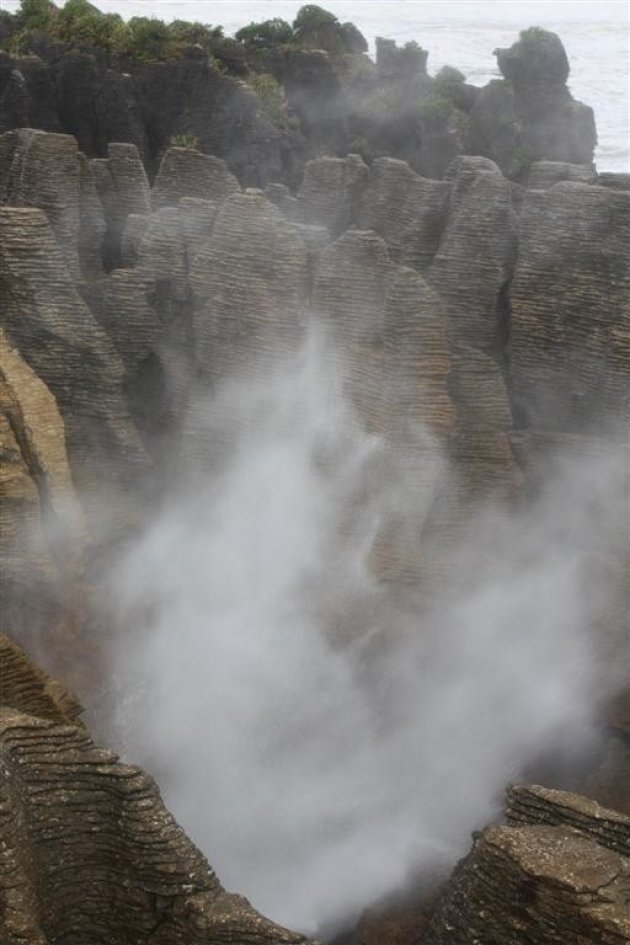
x,y
530,115
533,804
99,99
559,871
335,102
88,848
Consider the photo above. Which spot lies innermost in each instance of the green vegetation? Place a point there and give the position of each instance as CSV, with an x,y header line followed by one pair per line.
x,y
271,97
187,140
522,157
533,35
436,113
36,15
316,28
274,32
81,23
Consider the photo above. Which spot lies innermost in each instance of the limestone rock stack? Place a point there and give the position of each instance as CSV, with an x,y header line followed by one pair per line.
x,y
570,323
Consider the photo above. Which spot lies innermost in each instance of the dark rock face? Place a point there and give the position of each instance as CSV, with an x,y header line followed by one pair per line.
x,y
144,104
530,115
558,871
334,104
88,848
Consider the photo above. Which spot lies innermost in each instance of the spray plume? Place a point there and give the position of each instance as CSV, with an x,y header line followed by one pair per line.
x,y
322,735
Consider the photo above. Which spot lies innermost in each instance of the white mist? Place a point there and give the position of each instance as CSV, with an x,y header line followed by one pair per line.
x,y
318,739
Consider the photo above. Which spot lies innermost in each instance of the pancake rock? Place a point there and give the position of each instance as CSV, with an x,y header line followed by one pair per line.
x,y
250,279
88,848
558,871
47,321
407,210
389,334
569,344
42,170
330,192
187,173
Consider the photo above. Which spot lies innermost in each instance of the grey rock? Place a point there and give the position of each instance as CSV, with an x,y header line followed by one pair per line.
x,y
330,192
188,173
407,210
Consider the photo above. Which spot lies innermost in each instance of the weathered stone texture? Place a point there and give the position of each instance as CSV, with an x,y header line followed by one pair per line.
x,y
544,174
569,345
535,885
471,272
42,170
407,210
42,532
531,804
89,853
388,334
250,283
187,173
391,331
122,185
330,192
476,253
26,688
92,225
57,336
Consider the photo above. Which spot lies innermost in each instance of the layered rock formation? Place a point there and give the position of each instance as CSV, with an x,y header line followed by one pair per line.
x,y
88,849
451,303
558,871
472,318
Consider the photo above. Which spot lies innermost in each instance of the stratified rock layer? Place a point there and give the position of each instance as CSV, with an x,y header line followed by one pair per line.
x,y
47,321
558,872
569,344
89,853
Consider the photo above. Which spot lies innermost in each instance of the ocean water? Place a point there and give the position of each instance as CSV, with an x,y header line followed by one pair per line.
x,y
463,33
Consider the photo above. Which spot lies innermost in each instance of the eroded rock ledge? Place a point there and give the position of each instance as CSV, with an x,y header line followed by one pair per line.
x,y
88,851
557,872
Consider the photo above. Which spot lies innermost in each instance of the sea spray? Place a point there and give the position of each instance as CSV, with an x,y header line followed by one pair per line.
x,y
320,733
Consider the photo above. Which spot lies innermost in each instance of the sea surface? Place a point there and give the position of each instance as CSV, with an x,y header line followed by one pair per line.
x,y
463,33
